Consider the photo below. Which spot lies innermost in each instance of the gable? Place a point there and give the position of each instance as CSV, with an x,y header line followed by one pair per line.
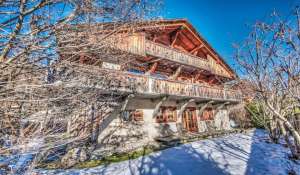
x,y
177,34
181,35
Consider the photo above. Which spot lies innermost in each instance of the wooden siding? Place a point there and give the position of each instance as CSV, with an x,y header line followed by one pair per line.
x,y
133,43
136,44
165,52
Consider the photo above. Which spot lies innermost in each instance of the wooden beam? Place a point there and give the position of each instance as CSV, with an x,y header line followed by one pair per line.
x,y
174,40
211,79
126,102
209,49
176,73
221,106
218,79
196,49
197,76
114,114
182,108
158,105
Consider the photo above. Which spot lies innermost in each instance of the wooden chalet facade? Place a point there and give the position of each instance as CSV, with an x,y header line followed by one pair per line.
x,y
175,78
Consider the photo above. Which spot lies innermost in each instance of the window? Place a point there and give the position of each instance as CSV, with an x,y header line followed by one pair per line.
x,y
133,115
208,114
138,115
167,114
125,115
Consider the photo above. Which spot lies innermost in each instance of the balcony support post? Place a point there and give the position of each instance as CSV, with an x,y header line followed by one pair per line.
x,y
176,73
183,107
125,104
150,85
202,107
220,106
158,105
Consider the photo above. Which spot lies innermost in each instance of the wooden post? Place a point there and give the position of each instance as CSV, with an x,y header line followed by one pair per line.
x,y
174,40
115,113
221,106
158,105
202,108
176,73
195,50
182,108
126,102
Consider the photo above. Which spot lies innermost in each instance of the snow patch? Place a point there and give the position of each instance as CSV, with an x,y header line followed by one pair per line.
x,y
234,154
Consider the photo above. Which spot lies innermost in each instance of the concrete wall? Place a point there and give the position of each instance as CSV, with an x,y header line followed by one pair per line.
x,y
120,135
154,129
220,122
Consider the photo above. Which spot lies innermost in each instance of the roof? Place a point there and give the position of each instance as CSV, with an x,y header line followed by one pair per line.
x,y
148,24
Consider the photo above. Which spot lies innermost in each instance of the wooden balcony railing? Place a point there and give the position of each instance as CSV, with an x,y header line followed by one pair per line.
x,y
193,90
142,84
138,44
162,51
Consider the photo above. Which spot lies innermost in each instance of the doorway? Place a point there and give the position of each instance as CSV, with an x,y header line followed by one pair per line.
x,y
190,120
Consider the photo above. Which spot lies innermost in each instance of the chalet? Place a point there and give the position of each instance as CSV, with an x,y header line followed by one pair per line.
x,y
174,82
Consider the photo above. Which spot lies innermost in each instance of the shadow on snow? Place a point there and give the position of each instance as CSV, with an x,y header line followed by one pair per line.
x,y
233,154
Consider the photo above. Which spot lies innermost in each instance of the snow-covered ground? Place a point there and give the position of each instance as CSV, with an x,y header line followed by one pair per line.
x,y
234,154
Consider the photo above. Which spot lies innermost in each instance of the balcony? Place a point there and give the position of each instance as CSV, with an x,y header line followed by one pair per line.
x,y
162,51
138,44
150,86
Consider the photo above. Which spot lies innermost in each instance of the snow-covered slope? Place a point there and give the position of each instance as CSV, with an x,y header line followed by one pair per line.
x,y
234,154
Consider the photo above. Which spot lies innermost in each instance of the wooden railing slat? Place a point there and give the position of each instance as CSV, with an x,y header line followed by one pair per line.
x,y
144,84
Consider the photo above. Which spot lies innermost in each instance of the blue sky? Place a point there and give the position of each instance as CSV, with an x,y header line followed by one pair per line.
x,y
224,22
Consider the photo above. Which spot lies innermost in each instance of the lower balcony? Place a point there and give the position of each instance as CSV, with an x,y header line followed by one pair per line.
x,y
126,82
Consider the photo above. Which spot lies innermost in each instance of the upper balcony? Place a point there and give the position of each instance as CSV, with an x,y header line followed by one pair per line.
x,y
138,44
165,52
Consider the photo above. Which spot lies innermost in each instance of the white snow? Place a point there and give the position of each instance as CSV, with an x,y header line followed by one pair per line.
x,y
22,156
234,154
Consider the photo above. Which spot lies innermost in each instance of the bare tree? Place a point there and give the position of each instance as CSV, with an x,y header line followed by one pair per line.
x,y
49,98
270,60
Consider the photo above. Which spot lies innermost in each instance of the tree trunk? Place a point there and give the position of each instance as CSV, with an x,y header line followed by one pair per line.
x,y
287,140
288,125
92,120
297,122
295,134
273,130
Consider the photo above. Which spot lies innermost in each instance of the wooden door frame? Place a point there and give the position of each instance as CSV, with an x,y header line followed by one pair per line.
x,y
186,121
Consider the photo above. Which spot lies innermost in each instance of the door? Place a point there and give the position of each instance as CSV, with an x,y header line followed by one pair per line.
x,y
190,120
